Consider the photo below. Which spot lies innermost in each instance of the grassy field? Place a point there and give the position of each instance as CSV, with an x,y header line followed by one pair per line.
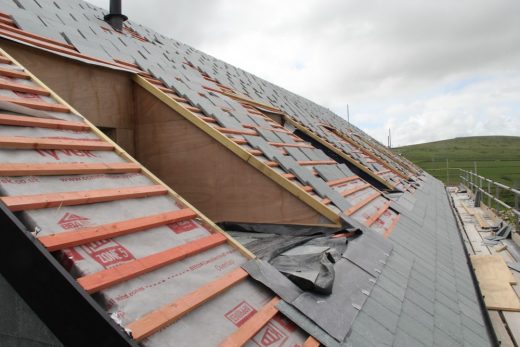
x,y
496,157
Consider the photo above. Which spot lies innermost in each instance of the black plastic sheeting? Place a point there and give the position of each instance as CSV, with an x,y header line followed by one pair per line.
x,y
304,254
323,279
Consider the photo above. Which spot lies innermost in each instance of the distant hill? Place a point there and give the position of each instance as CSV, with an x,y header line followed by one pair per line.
x,y
497,157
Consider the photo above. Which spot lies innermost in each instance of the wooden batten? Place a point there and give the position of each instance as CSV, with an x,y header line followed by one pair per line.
x,y
221,184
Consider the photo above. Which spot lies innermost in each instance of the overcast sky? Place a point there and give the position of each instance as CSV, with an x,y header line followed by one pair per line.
x,y
429,70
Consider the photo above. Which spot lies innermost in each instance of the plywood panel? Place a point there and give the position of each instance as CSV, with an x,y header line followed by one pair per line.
x,y
208,175
495,283
102,95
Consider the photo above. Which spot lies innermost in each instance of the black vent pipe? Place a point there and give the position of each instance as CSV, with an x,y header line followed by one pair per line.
x,y
115,18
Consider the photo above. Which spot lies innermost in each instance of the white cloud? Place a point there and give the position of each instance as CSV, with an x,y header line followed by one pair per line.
x,y
403,64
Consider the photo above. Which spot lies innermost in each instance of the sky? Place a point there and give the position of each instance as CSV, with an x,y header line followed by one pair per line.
x,y
427,70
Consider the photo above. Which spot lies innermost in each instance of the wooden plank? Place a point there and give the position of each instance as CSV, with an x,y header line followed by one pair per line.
x,y
30,202
481,222
81,236
342,180
378,214
236,131
311,342
156,320
362,203
7,119
16,142
38,105
100,280
13,73
500,330
494,280
298,145
7,21
66,169
4,60
470,212
316,162
252,326
23,88
355,189
513,322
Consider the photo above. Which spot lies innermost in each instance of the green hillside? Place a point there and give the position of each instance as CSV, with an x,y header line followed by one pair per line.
x,y
497,157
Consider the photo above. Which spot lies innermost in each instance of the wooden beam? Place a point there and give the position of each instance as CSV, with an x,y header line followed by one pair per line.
x,y
4,60
38,105
7,119
37,201
50,169
156,320
81,236
252,326
235,131
13,73
355,189
15,142
283,144
107,278
362,203
311,342
23,88
342,180
66,169
317,162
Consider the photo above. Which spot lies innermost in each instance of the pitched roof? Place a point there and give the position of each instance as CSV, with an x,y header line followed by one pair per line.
x,y
424,293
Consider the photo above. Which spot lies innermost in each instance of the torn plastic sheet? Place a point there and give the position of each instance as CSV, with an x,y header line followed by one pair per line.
x,y
307,259
356,271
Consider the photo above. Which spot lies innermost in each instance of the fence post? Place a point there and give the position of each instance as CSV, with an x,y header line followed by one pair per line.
x,y
515,186
497,195
489,191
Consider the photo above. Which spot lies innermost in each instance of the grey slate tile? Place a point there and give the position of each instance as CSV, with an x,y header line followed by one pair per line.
x,y
417,313
417,298
415,329
441,339
474,340
402,339
390,286
373,332
380,313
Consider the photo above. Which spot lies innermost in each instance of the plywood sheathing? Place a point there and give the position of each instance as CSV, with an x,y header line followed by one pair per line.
x,y
102,95
219,183
495,282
